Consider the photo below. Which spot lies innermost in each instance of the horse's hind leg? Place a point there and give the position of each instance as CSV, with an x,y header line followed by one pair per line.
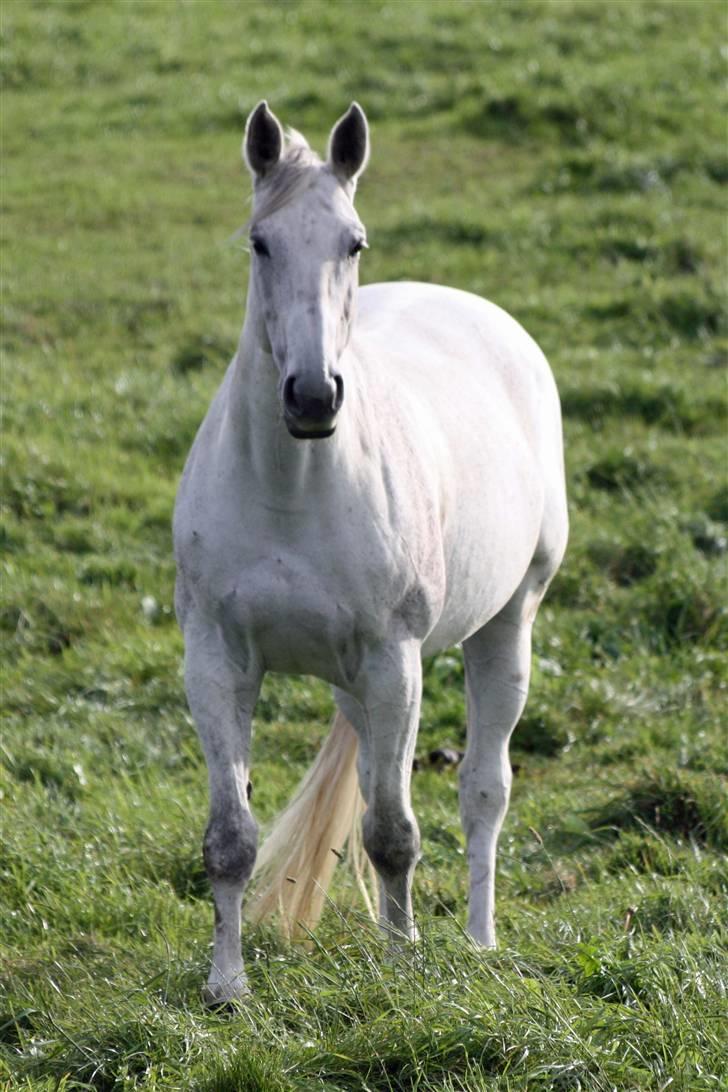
x,y
497,669
222,693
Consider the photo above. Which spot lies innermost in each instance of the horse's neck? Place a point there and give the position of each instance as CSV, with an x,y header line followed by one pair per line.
x,y
279,464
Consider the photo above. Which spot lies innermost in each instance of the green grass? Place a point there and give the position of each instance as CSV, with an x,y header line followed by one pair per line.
x,y
567,160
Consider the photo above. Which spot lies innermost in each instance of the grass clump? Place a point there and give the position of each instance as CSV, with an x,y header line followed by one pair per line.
x,y
625,564
200,351
678,804
717,507
542,731
668,406
686,606
618,471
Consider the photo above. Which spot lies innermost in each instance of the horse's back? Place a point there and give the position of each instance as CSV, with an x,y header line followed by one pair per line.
x,y
447,339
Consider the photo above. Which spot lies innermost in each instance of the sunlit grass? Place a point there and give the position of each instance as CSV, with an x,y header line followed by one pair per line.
x,y
567,161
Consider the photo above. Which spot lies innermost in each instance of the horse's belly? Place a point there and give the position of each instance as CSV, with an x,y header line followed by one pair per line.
x,y
486,560
474,597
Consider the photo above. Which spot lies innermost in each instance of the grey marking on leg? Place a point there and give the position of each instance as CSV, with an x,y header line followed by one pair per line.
x,y
391,841
230,847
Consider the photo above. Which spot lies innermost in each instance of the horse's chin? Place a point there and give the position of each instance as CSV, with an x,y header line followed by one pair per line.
x,y
299,433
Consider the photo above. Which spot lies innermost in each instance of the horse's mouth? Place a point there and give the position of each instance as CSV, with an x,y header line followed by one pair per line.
x,y
315,433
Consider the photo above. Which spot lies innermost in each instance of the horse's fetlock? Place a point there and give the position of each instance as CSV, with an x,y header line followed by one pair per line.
x,y
230,847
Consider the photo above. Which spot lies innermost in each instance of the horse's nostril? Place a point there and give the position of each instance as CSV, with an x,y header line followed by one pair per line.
x,y
289,395
339,392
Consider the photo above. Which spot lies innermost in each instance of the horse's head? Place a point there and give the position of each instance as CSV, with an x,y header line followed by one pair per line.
x,y
306,237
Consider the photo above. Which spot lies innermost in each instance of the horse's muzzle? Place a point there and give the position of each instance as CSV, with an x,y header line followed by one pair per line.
x,y
310,413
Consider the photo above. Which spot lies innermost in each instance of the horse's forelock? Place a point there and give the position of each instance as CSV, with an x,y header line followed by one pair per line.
x,y
294,172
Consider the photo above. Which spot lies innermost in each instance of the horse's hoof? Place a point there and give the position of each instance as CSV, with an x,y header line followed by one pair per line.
x,y
226,997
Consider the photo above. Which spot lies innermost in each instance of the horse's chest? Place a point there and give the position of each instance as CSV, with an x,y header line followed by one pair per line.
x,y
307,595
297,619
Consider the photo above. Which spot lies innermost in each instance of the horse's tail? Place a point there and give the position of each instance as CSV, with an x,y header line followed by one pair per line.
x,y
297,859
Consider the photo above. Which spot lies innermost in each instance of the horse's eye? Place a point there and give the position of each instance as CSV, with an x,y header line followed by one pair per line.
x,y
260,248
356,247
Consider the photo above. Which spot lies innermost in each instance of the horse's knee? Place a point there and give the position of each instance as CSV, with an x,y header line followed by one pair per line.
x,y
392,841
230,847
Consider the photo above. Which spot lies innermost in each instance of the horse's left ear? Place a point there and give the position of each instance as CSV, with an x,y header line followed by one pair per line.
x,y
349,144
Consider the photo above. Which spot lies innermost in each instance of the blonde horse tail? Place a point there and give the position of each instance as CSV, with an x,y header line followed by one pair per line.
x,y
297,860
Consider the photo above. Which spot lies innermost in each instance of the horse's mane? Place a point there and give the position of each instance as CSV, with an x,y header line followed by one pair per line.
x,y
295,171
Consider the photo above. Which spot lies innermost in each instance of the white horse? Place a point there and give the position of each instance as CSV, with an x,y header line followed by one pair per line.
x,y
379,476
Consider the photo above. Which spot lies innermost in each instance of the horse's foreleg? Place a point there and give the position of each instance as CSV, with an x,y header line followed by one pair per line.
x,y
497,668
391,706
221,696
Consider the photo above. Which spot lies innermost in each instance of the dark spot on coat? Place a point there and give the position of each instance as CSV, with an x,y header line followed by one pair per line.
x,y
415,611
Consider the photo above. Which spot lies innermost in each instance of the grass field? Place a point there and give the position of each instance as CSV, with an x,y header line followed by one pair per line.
x,y
565,159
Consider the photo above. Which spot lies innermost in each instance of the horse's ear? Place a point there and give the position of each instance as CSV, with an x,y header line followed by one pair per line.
x,y
263,141
349,144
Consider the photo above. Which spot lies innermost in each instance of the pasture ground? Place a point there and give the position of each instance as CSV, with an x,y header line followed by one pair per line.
x,y
564,159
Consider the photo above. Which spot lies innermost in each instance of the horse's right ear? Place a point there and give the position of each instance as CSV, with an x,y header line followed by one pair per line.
x,y
263,141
